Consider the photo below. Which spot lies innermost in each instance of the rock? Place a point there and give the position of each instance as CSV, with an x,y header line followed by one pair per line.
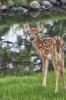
x,y
14,9
10,3
46,5
63,2
34,5
24,2
53,1
63,7
0,3
3,7
34,13
56,9
2,13
43,7
21,10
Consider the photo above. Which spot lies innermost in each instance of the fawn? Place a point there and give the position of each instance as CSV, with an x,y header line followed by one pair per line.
x,y
48,48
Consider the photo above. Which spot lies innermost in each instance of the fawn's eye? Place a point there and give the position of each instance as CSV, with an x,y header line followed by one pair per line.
x,y
35,33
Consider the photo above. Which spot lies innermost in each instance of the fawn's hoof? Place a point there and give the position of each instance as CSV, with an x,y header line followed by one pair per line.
x,y
56,90
65,88
43,85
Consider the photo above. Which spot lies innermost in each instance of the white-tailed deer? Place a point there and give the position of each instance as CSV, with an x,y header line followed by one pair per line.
x,y
48,48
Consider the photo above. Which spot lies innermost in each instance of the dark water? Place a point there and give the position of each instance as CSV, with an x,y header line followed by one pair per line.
x,y
17,55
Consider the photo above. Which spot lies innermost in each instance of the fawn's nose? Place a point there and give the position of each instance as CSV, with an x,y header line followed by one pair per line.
x,y
31,38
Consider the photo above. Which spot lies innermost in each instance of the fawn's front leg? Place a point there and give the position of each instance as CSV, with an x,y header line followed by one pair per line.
x,y
44,70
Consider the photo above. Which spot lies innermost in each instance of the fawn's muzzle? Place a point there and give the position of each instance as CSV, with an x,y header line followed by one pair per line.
x,y
31,38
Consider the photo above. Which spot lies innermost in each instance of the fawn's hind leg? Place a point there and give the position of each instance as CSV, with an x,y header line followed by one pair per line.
x,y
62,69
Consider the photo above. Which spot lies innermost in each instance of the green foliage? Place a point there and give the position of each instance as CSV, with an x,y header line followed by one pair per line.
x,y
26,18
16,2
29,88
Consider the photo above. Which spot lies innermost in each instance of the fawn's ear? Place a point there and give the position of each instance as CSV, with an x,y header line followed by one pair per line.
x,y
26,27
40,27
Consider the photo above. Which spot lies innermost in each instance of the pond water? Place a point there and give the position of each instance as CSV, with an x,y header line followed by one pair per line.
x,y
17,55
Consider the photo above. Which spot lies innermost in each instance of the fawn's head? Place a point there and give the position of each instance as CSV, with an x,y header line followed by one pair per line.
x,y
33,32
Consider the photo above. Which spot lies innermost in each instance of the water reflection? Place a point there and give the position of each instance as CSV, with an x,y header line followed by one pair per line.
x,y
17,55
13,36
35,13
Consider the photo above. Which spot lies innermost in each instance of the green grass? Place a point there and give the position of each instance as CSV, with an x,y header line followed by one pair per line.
x,y
29,88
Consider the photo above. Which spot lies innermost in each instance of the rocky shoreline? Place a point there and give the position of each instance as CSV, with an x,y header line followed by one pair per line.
x,y
38,5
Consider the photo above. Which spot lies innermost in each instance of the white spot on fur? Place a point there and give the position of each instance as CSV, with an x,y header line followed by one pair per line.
x,y
49,56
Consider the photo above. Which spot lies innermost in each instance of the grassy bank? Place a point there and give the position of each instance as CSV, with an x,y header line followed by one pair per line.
x,y
29,88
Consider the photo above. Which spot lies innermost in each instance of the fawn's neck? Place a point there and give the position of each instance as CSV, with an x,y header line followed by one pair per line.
x,y
37,42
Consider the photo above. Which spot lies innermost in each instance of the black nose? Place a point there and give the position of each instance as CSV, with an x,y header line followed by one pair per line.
x,y
31,38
